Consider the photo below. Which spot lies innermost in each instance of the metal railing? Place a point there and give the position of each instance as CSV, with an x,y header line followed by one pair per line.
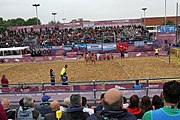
x,y
90,89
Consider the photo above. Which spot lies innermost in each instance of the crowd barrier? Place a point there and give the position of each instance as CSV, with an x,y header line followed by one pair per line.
x,y
89,89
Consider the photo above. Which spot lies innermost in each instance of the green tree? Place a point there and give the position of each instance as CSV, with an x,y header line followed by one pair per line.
x,y
170,22
32,21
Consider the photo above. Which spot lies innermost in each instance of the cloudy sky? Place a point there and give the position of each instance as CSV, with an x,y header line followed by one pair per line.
x,y
86,9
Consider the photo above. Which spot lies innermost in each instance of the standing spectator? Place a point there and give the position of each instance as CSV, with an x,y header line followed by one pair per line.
x,y
52,76
55,106
171,93
9,112
27,111
64,77
137,85
113,103
134,107
2,113
75,110
44,106
157,102
4,81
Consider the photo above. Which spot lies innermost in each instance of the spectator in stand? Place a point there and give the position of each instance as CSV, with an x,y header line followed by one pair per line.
x,y
4,81
75,110
85,105
113,102
100,107
55,106
44,106
157,102
27,111
146,103
9,112
2,113
137,85
162,97
65,105
134,107
64,77
125,104
171,93
52,76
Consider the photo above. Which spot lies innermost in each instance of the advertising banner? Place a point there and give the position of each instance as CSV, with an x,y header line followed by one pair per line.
x,y
88,24
168,29
109,46
67,48
82,47
94,47
122,46
139,43
56,47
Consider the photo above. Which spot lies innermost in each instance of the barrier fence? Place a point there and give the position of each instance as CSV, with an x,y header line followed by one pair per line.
x,y
89,89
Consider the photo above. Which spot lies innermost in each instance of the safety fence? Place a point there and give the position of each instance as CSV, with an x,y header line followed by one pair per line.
x,y
89,89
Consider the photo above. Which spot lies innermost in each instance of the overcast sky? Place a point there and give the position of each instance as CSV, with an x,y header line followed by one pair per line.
x,y
87,9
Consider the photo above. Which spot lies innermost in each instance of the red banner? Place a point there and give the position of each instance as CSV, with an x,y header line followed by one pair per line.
x,y
122,46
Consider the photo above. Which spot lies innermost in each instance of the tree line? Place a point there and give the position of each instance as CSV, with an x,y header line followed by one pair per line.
x,y
17,22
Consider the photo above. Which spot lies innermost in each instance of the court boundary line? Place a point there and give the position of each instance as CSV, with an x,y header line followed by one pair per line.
x,y
126,72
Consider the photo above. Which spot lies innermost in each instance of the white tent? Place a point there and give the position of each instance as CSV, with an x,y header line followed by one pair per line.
x,y
12,49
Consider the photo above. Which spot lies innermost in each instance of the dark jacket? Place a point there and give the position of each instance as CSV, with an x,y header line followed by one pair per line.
x,y
138,112
10,114
118,114
44,108
50,116
74,112
2,113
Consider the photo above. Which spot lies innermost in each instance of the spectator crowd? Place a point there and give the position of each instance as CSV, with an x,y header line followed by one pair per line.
x,y
56,36
113,106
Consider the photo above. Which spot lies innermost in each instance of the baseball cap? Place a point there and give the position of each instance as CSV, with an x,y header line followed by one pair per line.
x,y
45,98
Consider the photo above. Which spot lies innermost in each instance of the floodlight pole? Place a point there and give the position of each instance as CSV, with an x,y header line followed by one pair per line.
x,y
54,14
144,9
36,5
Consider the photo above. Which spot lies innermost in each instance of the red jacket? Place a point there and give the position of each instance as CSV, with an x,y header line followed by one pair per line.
x,y
2,113
4,81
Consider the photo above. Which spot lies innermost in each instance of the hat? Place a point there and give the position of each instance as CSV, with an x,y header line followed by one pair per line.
x,y
45,98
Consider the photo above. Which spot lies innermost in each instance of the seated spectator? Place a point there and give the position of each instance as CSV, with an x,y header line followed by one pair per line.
x,y
113,103
2,113
100,106
44,106
146,103
9,112
171,93
86,109
27,111
4,81
65,105
157,102
125,104
162,97
55,106
137,85
134,107
75,110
